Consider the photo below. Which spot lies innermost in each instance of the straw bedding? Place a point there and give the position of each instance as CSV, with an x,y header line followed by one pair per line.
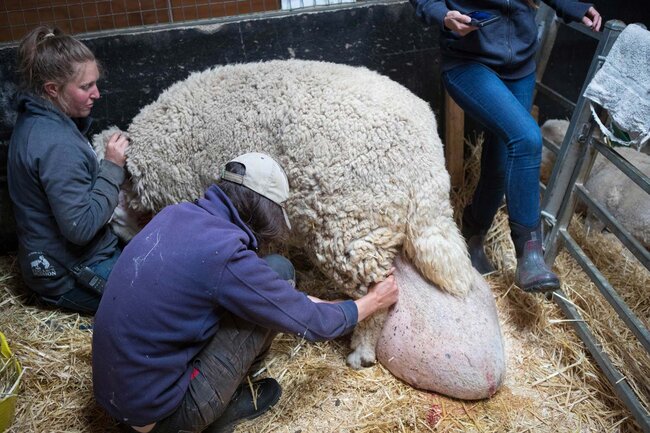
x,y
552,383
8,375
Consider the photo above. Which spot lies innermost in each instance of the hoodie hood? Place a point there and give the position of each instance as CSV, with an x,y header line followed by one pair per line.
x,y
39,106
217,203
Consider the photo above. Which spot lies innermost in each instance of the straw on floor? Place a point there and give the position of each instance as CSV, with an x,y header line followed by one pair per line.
x,y
552,383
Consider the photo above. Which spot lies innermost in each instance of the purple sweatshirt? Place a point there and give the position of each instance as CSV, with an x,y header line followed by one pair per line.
x,y
163,301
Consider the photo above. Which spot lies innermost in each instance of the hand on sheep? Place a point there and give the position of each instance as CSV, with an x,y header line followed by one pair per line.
x,y
116,148
381,295
458,23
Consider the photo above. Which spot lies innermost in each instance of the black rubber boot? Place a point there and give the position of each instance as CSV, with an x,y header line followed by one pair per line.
x,y
475,239
533,274
243,406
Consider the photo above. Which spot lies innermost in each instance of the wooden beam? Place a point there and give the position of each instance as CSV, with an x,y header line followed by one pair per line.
x,y
454,141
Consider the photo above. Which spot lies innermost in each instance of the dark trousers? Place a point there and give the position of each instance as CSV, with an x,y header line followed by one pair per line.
x,y
222,366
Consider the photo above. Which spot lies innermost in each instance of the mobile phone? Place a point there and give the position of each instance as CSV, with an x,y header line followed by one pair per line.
x,y
481,18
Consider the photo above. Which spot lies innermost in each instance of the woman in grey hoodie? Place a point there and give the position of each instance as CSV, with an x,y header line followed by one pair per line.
x,y
488,65
62,195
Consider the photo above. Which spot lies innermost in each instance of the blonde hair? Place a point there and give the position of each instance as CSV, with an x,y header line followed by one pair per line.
x,y
532,4
47,54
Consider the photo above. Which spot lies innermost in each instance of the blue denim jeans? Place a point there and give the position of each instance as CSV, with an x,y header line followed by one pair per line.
x,y
81,299
512,151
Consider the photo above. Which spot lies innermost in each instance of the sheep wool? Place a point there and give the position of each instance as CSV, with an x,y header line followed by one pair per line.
x,y
362,154
609,186
364,161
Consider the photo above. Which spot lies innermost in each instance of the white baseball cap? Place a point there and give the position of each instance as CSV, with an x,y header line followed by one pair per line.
x,y
264,176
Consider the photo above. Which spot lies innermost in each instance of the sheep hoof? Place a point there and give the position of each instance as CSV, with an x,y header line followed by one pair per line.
x,y
361,358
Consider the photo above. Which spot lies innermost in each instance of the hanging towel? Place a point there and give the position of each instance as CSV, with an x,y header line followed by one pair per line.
x,y
622,85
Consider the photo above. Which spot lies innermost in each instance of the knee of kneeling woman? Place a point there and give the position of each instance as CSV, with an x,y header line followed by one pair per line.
x,y
282,266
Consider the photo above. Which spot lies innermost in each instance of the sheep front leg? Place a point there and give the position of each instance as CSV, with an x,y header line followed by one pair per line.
x,y
364,341
372,257
354,266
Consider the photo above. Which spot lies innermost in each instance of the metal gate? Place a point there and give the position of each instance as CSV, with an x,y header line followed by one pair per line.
x,y
575,158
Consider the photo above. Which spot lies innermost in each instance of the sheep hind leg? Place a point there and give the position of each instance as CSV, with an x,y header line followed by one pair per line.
x,y
364,341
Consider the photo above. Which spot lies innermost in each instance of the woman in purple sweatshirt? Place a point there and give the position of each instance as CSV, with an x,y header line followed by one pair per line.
x,y
190,306
489,70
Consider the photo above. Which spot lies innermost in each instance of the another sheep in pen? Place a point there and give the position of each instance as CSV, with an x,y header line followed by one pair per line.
x,y
368,183
608,185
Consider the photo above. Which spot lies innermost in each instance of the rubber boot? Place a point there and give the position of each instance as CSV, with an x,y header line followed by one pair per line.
x,y
475,239
533,274
244,406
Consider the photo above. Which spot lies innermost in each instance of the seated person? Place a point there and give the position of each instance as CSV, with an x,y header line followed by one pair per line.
x,y
63,197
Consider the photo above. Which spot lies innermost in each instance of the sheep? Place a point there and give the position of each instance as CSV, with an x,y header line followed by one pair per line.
x,y
364,162
624,199
554,131
608,185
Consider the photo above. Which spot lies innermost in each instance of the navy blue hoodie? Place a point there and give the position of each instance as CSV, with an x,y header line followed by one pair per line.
x,y
166,294
62,196
507,46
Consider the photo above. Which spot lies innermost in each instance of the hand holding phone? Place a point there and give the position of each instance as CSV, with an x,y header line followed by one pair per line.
x,y
482,19
462,24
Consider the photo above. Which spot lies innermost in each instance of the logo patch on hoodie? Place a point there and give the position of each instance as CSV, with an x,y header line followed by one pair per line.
x,y
41,267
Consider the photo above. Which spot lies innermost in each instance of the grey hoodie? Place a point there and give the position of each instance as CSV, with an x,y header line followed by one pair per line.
x,y
63,196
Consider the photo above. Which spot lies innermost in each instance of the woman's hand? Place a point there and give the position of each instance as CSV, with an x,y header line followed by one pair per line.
x,y
592,19
381,295
116,147
458,23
